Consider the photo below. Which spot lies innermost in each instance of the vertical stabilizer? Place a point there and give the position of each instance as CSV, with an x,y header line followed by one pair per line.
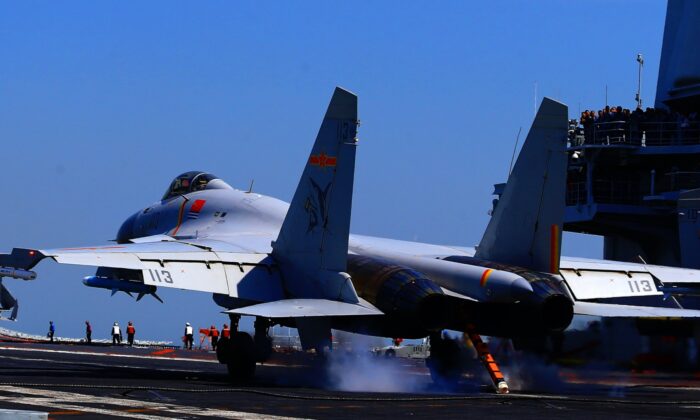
x,y
314,235
525,228
678,85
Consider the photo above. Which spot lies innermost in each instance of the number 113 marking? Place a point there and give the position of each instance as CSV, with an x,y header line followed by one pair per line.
x,y
160,276
636,288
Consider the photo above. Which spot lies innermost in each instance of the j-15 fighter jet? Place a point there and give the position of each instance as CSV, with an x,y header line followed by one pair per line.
x,y
298,265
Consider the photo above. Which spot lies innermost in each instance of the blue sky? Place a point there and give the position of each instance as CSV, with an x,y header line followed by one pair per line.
x,y
103,103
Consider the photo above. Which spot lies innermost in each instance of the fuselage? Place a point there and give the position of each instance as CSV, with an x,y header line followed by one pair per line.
x,y
250,222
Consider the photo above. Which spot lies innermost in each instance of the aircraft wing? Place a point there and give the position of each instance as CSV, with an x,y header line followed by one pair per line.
x,y
169,263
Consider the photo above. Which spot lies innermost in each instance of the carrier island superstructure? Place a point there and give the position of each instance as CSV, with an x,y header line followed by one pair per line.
x,y
637,183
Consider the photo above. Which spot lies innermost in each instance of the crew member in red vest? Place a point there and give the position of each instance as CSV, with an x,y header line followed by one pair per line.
x,y
225,332
130,331
214,334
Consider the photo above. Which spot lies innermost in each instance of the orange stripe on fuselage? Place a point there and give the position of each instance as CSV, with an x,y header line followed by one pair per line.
x,y
180,214
485,276
554,249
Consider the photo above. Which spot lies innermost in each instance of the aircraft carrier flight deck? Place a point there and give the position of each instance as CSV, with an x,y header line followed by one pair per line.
x,y
80,381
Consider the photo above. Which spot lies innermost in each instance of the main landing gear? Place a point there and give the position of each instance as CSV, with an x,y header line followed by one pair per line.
x,y
445,361
241,352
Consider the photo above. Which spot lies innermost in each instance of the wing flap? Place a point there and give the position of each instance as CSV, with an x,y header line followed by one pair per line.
x,y
594,284
610,310
113,260
303,308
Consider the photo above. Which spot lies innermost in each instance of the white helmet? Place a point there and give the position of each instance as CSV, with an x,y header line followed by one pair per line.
x,y
187,323
116,323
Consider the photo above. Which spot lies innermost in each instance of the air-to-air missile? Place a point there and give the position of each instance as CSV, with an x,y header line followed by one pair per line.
x,y
125,286
16,273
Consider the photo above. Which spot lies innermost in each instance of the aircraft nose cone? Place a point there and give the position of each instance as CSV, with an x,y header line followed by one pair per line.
x,y
520,288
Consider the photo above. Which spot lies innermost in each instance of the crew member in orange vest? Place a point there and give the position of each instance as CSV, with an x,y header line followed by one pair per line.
x,y
130,331
225,332
214,334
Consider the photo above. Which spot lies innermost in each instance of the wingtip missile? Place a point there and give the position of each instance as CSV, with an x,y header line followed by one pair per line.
x,y
17,273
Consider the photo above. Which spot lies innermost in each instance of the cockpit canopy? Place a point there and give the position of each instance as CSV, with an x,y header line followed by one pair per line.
x,y
189,182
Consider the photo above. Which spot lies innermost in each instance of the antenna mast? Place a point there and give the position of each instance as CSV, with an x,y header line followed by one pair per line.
x,y
535,109
638,98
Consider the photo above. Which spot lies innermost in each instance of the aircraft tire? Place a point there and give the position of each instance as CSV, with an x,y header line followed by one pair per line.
x,y
390,354
241,357
223,350
445,361
263,347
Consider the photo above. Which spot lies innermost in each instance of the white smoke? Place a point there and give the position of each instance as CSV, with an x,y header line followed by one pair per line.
x,y
353,367
530,373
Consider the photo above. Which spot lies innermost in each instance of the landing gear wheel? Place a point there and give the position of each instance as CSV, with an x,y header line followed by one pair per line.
x,y
390,354
223,350
445,361
263,342
263,347
241,357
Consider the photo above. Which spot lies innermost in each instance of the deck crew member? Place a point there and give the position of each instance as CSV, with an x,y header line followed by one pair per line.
x,y
88,332
116,334
52,331
189,336
225,332
214,334
130,331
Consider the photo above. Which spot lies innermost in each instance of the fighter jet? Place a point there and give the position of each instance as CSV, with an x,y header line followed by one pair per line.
x,y
298,265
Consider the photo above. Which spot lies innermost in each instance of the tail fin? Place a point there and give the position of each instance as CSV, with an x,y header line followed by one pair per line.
x,y
525,228
314,234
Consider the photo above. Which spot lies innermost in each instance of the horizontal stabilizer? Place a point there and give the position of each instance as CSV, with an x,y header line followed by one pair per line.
x,y
301,308
610,310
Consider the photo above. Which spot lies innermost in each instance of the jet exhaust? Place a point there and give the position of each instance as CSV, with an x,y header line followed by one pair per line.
x,y
547,309
404,295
